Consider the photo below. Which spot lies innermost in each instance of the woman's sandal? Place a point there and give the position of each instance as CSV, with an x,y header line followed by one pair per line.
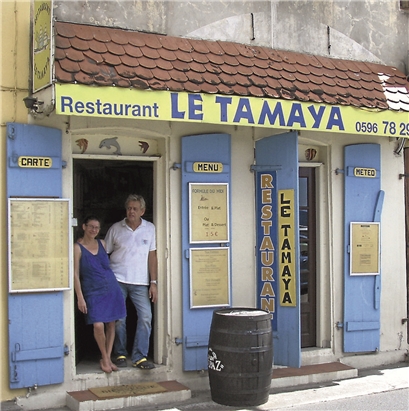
x,y
144,364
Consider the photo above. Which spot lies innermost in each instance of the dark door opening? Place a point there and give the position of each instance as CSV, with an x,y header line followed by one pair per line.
x,y
101,188
406,159
307,220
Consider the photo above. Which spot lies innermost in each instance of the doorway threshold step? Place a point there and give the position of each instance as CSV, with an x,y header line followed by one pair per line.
x,y
116,397
315,373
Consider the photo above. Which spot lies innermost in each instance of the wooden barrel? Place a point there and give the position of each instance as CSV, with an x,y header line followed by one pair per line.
x,y
240,356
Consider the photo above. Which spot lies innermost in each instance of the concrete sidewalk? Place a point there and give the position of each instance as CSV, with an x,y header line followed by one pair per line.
x,y
381,379
388,378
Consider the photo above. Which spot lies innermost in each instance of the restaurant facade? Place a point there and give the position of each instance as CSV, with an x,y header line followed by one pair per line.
x,y
275,180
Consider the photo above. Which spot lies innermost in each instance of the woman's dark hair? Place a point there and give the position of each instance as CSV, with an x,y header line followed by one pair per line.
x,y
89,218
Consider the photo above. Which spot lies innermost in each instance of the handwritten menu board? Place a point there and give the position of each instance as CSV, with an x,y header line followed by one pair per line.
x,y
209,213
365,249
39,244
209,277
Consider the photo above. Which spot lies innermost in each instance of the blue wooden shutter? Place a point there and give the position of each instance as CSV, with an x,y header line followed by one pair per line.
x,y
363,203
197,321
279,154
36,322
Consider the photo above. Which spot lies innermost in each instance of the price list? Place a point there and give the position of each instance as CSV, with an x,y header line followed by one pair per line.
x,y
39,243
209,213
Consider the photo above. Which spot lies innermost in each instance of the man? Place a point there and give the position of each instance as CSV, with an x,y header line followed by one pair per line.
x,y
132,246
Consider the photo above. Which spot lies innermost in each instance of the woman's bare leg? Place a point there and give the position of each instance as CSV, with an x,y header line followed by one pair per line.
x,y
99,335
110,337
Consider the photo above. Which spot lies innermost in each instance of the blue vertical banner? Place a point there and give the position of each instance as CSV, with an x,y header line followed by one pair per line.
x,y
266,231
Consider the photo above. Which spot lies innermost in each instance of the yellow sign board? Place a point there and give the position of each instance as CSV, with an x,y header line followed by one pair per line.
x,y
124,103
365,250
206,167
39,244
42,38
286,248
209,277
209,213
364,172
35,162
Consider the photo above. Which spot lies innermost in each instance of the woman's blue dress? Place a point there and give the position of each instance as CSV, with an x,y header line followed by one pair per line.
x,y
105,302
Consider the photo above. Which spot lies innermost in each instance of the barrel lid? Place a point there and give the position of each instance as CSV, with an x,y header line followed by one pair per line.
x,y
245,312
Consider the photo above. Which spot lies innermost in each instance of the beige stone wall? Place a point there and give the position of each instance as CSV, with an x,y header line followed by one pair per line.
x,y
14,63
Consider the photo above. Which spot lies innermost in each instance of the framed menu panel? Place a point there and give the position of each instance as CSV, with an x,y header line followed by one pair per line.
x,y
365,250
209,212
209,277
39,238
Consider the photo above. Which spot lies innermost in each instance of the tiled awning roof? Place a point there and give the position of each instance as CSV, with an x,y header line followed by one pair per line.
x,y
101,56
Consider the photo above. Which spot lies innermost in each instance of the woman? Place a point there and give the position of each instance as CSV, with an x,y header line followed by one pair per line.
x,y
98,293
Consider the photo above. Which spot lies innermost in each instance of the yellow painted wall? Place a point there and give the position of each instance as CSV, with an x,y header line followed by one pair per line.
x,y
14,63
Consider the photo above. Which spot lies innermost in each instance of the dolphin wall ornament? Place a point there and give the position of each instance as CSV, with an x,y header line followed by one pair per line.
x,y
111,142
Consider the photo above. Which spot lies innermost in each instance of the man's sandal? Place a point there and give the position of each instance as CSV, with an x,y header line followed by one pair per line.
x,y
120,361
144,364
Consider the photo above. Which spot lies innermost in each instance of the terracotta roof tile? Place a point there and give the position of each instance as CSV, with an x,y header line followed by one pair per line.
x,y
79,44
162,75
84,32
183,56
135,40
192,87
112,59
214,47
132,51
139,83
69,66
102,34
199,46
98,47
244,50
242,80
229,49
115,48
195,77
147,63
178,76
105,56
96,57
270,92
244,70
258,81
165,64
200,58
157,85
227,80
215,59
225,89
83,78
167,54
256,91
212,68
123,82
62,42
59,54
181,65
228,70
89,67
240,90
126,71
64,76
168,43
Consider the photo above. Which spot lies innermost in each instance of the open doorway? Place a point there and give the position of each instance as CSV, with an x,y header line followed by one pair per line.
x,y
307,221
101,188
